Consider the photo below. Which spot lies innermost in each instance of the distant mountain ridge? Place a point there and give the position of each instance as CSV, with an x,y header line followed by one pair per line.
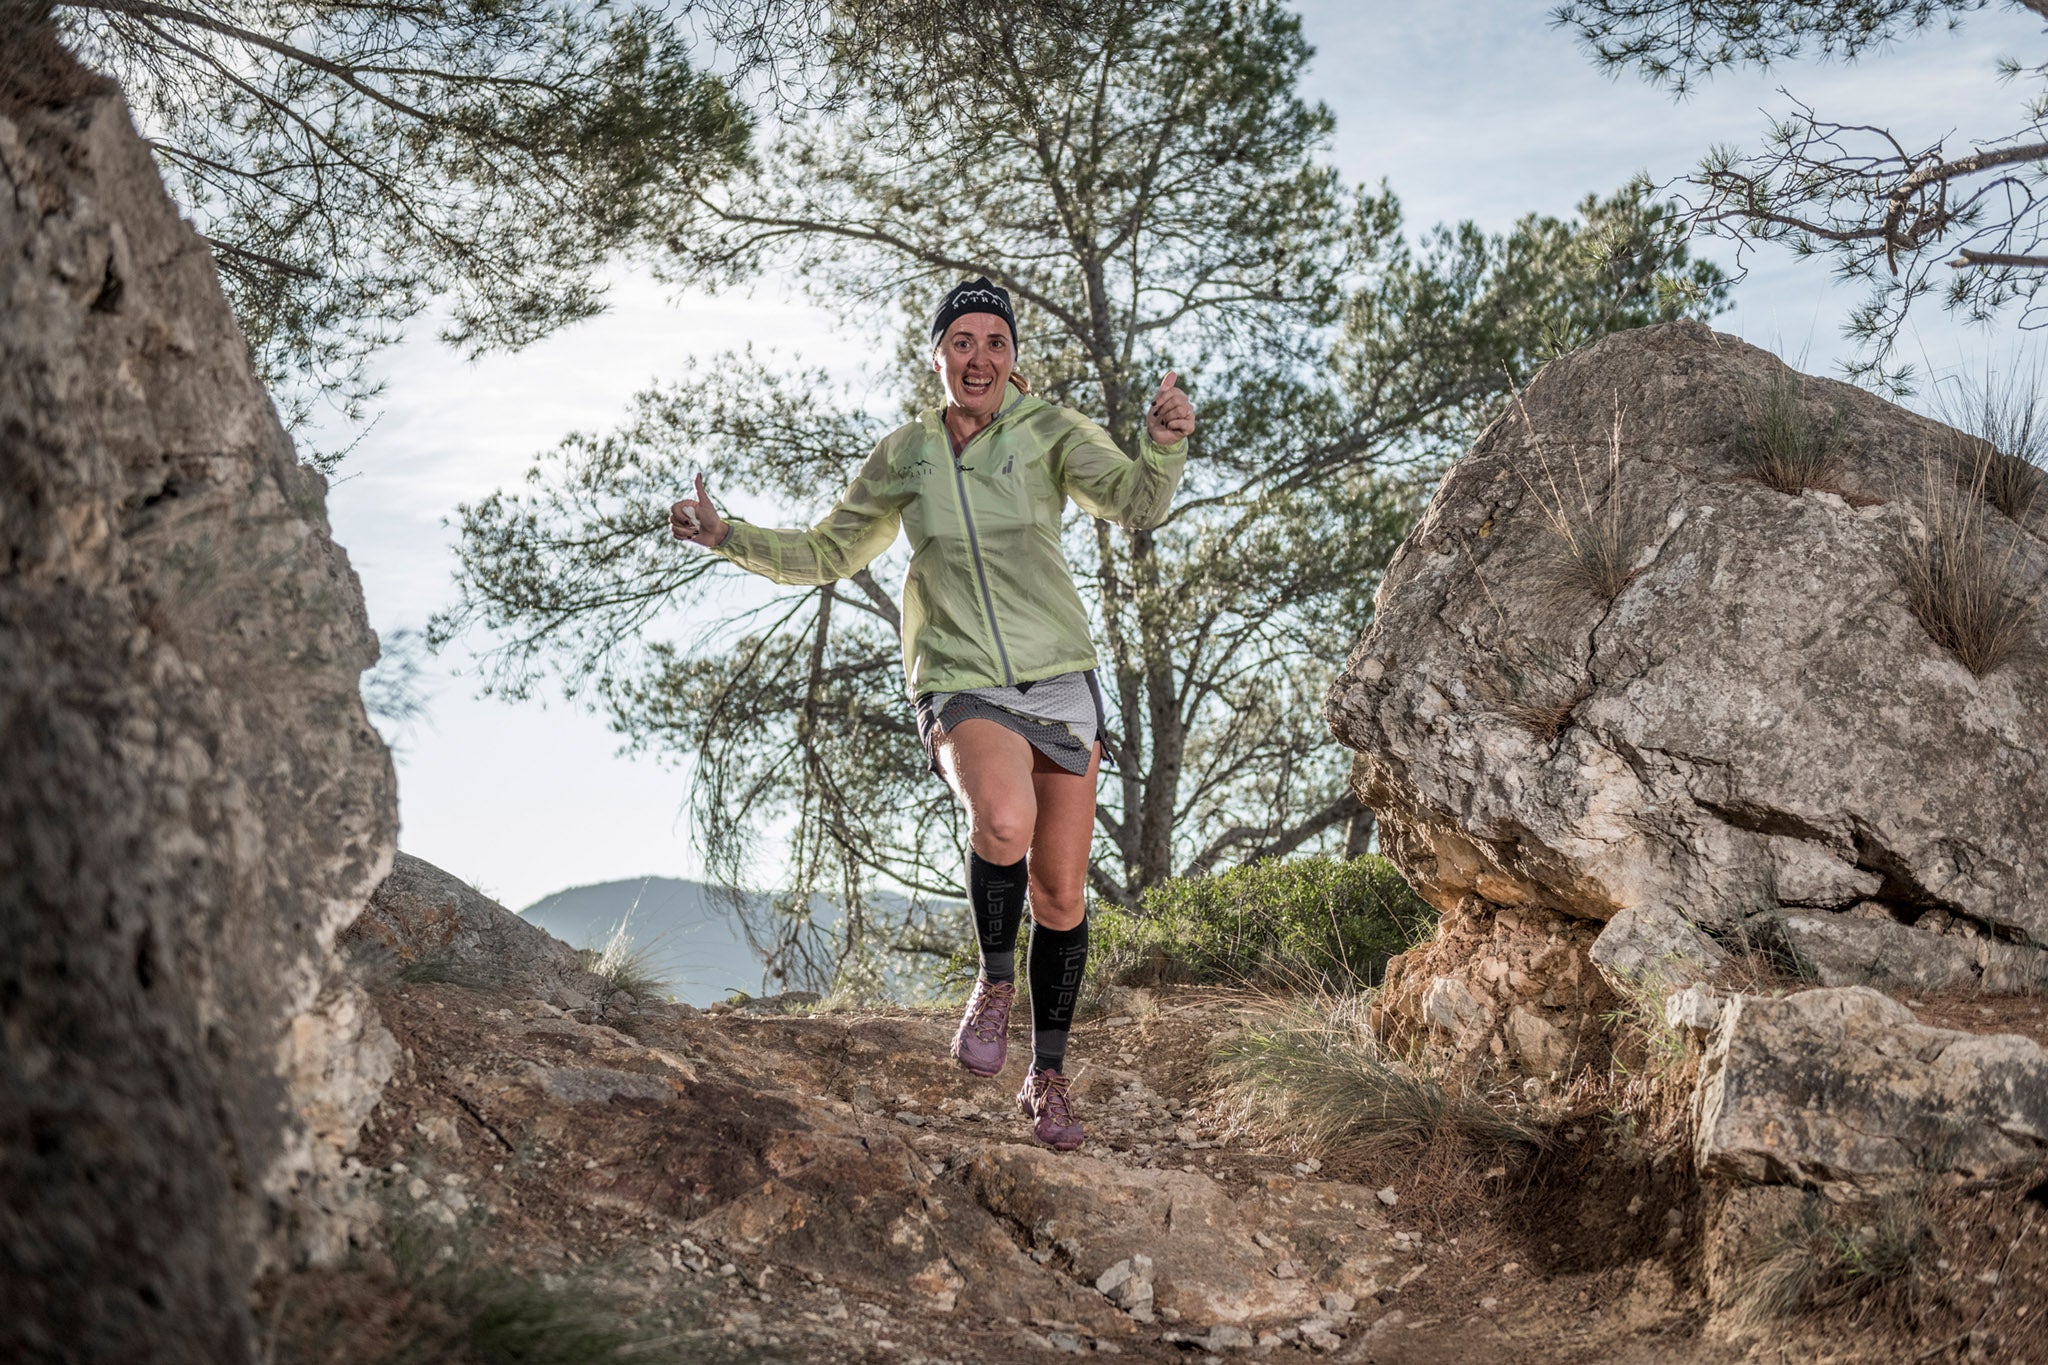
x,y
693,940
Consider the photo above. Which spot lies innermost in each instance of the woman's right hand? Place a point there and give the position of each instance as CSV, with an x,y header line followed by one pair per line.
x,y
696,520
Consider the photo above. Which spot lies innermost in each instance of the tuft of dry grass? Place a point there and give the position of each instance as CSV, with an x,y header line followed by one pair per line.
x,y
1664,1048
1593,542
624,967
1826,1257
1534,684
1311,1071
441,1296
2003,412
1973,591
1781,446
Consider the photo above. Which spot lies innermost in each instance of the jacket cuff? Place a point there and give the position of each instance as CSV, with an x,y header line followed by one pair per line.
x,y
731,547
1177,450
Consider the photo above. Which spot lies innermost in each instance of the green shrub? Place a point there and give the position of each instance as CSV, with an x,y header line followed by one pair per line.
x,y
1295,922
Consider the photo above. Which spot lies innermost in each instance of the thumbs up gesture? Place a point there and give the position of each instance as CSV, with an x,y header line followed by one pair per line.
x,y
696,520
1171,416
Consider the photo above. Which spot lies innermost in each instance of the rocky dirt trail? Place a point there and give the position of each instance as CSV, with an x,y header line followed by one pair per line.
x,y
764,1182
833,1187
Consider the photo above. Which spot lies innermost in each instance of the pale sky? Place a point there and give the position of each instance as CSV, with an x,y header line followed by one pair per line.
x,y
1468,110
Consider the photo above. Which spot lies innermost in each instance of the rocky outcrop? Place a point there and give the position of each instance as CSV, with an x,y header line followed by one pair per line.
x,y
421,915
1844,1088
1749,738
192,801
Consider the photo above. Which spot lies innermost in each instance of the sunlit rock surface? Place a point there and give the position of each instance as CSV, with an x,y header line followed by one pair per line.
x,y
1754,745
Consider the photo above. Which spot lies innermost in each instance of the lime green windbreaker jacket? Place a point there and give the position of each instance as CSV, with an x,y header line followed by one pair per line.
x,y
989,599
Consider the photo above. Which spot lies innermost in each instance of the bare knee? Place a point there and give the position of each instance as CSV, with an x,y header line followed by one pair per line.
x,y
1058,908
1000,830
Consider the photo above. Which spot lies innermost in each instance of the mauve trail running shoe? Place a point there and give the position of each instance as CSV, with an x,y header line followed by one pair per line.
x,y
983,1043
1044,1101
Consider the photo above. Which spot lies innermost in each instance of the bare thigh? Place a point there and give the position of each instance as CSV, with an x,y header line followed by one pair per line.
x,y
1020,801
989,768
1061,842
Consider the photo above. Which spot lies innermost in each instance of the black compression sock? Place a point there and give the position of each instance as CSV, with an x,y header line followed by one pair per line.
x,y
1058,957
997,895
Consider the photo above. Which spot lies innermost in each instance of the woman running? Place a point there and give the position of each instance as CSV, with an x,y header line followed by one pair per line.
x,y
996,653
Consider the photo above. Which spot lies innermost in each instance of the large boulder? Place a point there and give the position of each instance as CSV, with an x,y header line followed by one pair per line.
x,y
192,801
425,917
1752,745
1844,1089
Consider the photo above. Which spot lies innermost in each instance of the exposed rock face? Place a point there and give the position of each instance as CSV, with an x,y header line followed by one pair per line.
x,y
1753,735
422,914
192,801
1207,1265
1512,984
1844,1087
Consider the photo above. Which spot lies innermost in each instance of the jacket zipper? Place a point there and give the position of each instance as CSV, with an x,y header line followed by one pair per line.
x,y
988,601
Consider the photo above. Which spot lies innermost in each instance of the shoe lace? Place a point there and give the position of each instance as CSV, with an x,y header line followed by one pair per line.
x,y
991,1011
1052,1098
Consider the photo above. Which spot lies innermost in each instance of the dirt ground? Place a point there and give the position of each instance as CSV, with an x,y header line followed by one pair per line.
x,y
752,1211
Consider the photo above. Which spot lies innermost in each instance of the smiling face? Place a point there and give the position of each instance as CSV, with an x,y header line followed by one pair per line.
x,y
974,360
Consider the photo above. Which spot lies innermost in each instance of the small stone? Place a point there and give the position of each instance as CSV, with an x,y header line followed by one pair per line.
x,y
728,1270
1169,1315
1321,1338
1635,1206
1285,1271
1488,1304
1388,1197
904,1116
1228,1337
1113,1278
418,1189
1339,1303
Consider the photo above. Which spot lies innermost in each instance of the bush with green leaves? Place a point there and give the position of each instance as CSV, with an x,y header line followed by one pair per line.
x,y
1293,922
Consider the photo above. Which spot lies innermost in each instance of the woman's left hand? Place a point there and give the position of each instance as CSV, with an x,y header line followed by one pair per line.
x,y
1171,416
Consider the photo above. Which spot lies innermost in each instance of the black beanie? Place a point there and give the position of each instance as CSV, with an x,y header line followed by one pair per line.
x,y
974,296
